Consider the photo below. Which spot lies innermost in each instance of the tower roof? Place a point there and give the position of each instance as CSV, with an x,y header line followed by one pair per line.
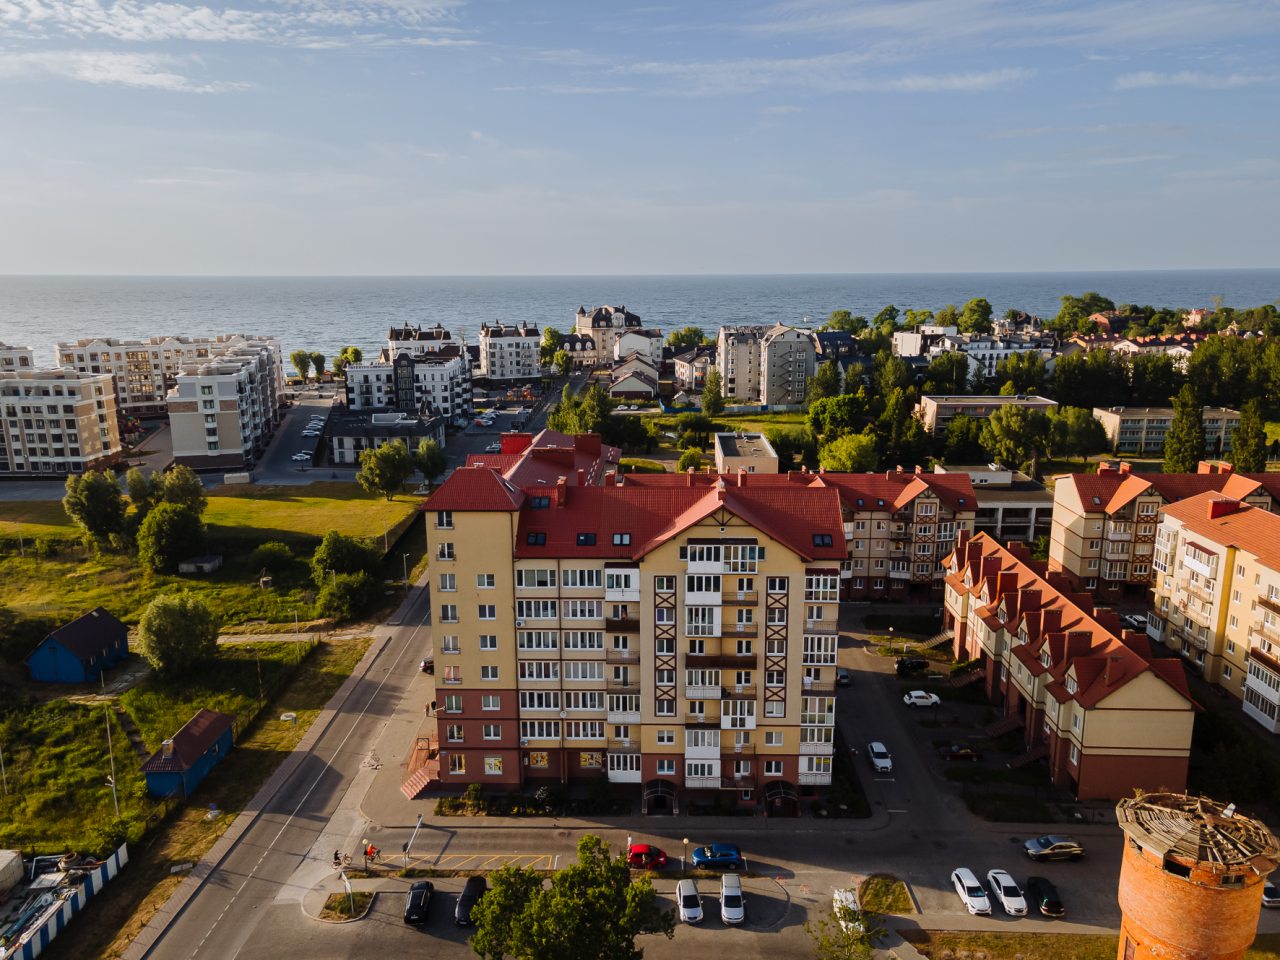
x,y
1200,830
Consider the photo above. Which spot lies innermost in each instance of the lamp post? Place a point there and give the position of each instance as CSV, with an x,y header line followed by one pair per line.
x,y
684,856
404,559
891,647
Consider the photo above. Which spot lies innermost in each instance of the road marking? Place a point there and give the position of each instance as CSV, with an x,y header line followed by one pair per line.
x,y
486,861
306,796
897,811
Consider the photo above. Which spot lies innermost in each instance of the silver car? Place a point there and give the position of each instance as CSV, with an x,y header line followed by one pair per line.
x,y
688,902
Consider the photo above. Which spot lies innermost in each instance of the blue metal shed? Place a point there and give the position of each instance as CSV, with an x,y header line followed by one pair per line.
x,y
177,768
78,652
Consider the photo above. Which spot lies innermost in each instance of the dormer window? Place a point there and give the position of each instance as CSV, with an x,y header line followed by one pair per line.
x,y
1071,684
536,539
586,539
1044,658
622,539
822,539
539,503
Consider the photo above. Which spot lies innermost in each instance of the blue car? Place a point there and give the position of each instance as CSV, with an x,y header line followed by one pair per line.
x,y
719,856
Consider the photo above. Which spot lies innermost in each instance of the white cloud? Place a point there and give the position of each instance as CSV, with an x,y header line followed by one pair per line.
x,y
781,109
954,82
1147,79
138,70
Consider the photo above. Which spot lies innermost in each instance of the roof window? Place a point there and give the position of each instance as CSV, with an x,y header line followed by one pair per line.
x,y
537,539
586,539
822,539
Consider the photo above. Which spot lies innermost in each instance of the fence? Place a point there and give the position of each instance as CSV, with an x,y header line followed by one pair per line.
x,y
46,921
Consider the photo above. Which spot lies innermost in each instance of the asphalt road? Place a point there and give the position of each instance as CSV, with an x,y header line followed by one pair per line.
x,y
276,467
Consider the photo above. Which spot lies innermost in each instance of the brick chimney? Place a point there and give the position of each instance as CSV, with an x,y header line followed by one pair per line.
x,y
1105,468
1125,468
166,749
611,478
688,476
1223,507
582,477
562,488
742,476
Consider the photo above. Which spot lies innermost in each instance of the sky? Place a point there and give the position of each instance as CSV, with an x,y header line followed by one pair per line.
x,y
454,137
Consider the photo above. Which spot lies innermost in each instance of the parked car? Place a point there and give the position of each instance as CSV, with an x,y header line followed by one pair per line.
x,y
1007,892
1270,894
311,433
415,906
959,751
472,891
1134,621
844,677
688,902
718,856
1053,847
1043,896
494,447
733,906
909,665
971,892
881,759
646,857
300,456
919,698
428,665
844,907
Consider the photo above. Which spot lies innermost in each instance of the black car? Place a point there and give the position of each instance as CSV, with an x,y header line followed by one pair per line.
x,y
415,905
909,665
471,893
844,677
1043,896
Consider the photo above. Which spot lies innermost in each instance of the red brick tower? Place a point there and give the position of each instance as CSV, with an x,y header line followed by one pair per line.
x,y
1191,883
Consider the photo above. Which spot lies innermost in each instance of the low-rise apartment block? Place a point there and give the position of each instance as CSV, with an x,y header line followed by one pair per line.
x,y
222,412
434,383
986,350
751,452
1139,430
936,412
348,433
415,339
1217,597
1104,523
509,352
145,371
1090,700
691,368
57,422
680,638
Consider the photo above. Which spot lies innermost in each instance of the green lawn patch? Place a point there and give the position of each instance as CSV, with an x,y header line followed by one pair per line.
x,y
35,518
640,465
340,906
305,514
884,893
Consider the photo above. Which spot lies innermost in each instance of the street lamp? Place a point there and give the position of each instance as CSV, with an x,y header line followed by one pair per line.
x,y
685,855
404,559
891,648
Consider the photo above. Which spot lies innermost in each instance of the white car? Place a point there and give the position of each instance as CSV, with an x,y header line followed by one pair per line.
x,y
844,907
733,906
1007,892
881,759
311,433
1270,895
300,456
688,902
918,698
493,448
970,891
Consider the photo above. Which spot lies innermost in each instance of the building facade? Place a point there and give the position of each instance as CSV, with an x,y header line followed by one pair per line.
x,y
643,343
691,368
1104,524
751,452
13,359
144,371
986,350
1091,701
682,639
787,360
600,327
1011,506
223,412
434,383
347,434
57,422
1137,430
738,360
509,352
936,412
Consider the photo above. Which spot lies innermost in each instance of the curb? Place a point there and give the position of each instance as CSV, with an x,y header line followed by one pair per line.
x,y
369,906
190,886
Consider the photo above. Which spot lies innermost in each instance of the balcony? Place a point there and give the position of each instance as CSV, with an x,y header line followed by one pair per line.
x,y
747,597
702,692
1200,590
1269,603
1119,531
815,778
724,661
1269,632
622,656
622,624
1192,610
702,783
626,685
738,692
624,776
819,749
729,749
702,719
818,686
622,745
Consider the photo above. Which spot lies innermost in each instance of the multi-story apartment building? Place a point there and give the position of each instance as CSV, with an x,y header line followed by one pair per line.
x,y
56,422
1104,523
768,365
509,352
16,358
691,368
1217,597
937,412
222,412
434,383
918,341
1090,699
348,434
598,329
417,339
1012,507
643,343
1135,430
681,638
738,360
146,370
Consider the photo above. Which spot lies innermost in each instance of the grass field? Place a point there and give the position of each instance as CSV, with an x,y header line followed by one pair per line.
x,y
1040,946
131,900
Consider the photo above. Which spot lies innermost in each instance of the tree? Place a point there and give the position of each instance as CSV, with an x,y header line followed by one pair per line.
x,y
1015,436
846,321
947,373
1075,312
175,631
825,382
339,554
1026,371
95,504
1074,431
274,556
975,317
384,469
317,363
694,429
347,356
963,442
948,316
846,933
562,362
346,595
712,399
1184,443
790,442
917,318
1153,379
690,459
1098,378
886,318
590,910
552,341
1249,442
301,361
170,533
686,338
851,453
180,485
429,460
141,491
830,417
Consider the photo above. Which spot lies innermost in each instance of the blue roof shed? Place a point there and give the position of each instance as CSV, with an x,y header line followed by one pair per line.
x,y
78,652
177,768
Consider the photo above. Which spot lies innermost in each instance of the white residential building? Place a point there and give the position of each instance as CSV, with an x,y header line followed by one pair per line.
x,y
16,358
917,341
436,383
56,422
985,350
599,328
647,343
510,352
738,360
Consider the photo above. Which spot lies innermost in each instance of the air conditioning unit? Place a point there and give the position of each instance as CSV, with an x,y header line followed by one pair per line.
x,y
524,741
519,623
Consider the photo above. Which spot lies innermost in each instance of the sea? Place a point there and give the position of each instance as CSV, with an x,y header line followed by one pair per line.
x,y
326,313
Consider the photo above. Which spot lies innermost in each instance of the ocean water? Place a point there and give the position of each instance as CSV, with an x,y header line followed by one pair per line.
x,y
326,313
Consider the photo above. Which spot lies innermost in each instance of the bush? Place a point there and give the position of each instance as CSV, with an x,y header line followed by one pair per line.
x,y
273,556
341,554
170,533
346,596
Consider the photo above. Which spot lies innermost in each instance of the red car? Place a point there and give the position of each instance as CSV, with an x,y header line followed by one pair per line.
x,y
645,857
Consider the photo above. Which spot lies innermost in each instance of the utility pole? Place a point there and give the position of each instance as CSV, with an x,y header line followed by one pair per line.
x,y
115,801
404,559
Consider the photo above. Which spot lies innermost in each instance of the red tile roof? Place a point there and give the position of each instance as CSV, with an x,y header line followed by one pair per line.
x,y
190,743
474,489
1111,490
1250,528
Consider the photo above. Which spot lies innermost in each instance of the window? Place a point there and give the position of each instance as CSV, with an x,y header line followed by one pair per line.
x,y
540,729
664,615
821,587
445,552
664,677
539,699
773,768
448,582
582,578
820,650
535,578
702,583
444,519
536,640
583,670
536,539
453,732
449,645
776,584
457,763
493,766
490,701
664,584
536,609
666,737
586,539
487,611
1075,754
583,609
539,669
489,672
701,621
452,703
1226,673
822,539
667,767
815,613
664,707
452,674
773,738
484,581
539,503
775,678
584,640
622,539
775,708
492,731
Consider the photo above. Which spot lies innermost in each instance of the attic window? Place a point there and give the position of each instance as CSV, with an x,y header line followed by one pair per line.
x,y
822,539
586,539
536,540
539,503
962,501
1071,685
879,502
861,502
1097,501
622,539
1044,658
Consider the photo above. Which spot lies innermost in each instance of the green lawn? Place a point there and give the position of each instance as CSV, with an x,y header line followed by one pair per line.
x,y
35,518
641,465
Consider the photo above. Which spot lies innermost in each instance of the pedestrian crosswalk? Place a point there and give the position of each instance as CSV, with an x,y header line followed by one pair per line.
x,y
485,861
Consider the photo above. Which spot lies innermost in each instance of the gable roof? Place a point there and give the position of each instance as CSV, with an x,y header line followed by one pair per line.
x,y
474,488
1249,528
190,743
86,635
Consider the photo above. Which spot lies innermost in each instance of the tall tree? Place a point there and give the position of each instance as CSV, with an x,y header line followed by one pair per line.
x,y
180,485
947,373
963,442
301,360
916,318
975,317
95,504
887,317
1026,371
429,460
590,910
347,356
562,362
686,338
552,341
385,469
844,320
712,398
170,533
1184,443
690,459
317,363
948,316
1017,436
1249,442
1075,312
1074,431
175,631
1153,379
825,382
339,553
694,429
142,491
832,416
1098,378
851,453
888,373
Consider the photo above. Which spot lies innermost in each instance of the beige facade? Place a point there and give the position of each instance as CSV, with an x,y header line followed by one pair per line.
x,y
751,452
1135,430
767,365
16,358
56,422
598,330
222,412
936,412
738,360
509,352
